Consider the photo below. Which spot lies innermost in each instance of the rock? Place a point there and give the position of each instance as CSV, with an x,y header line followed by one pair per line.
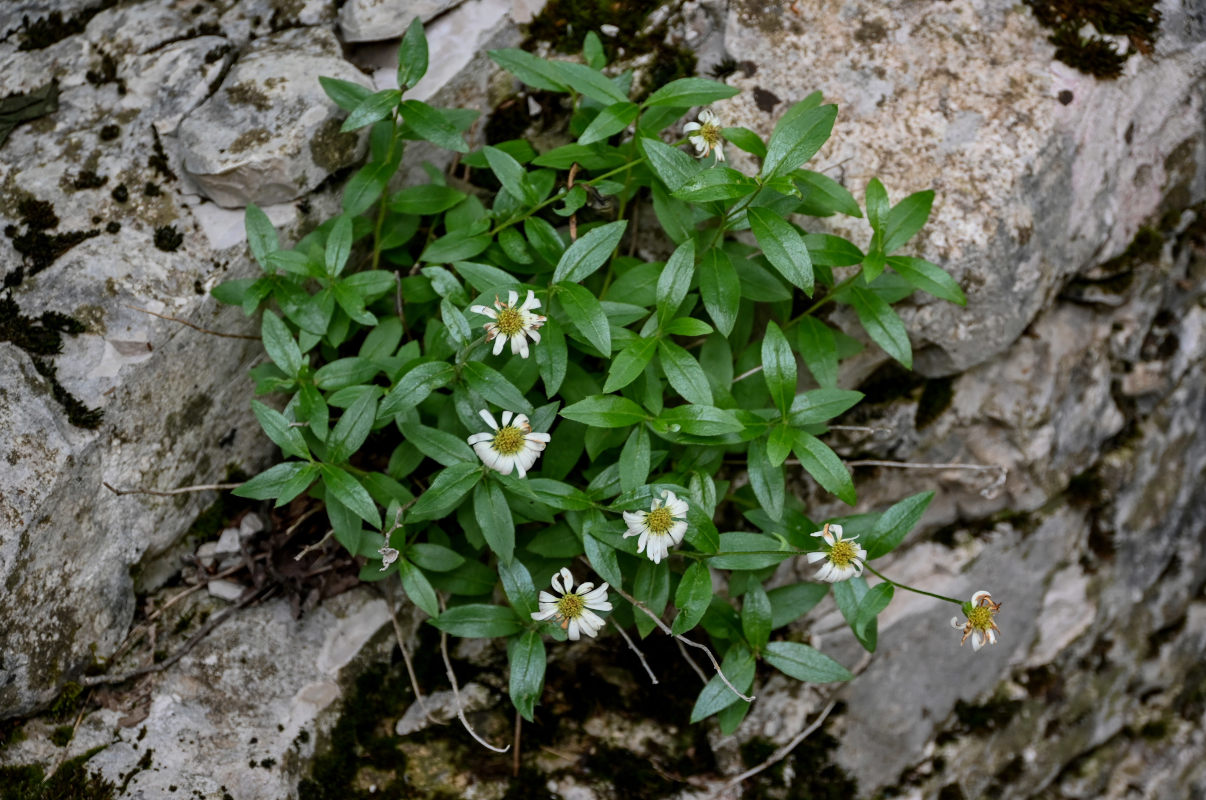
x,y
228,542
269,134
441,707
207,553
962,99
225,590
233,717
374,20
250,525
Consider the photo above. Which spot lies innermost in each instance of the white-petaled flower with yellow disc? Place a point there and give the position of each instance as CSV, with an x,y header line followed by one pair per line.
x,y
843,557
509,322
979,625
512,446
705,134
573,610
660,528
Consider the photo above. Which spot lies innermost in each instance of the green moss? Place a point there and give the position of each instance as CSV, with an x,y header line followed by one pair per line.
x,y
1137,20
68,702
44,31
332,149
815,776
71,781
168,239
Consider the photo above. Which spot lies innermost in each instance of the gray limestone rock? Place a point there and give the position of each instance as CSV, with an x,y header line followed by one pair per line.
x,y
269,134
374,20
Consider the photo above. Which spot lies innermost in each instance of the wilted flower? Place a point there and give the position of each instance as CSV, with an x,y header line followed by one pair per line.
x,y
705,134
511,447
979,625
843,557
516,324
660,528
573,609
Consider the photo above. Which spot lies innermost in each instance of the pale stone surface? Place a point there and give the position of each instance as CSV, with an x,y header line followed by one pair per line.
x,y
270,134
374,20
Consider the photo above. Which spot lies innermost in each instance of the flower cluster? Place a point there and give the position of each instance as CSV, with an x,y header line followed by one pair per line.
x,y
980,625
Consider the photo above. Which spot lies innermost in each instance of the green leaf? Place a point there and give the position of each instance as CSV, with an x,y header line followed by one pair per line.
x,y
592,50
478,621
458,245
527,660
651,587
590,252
819,350
352,429
746,140
789,603
803,663
635,460
445,493
432,126
821,405
784,247
687,92
779,443
345,94
558,495
629,363
699,420
520,591
827,250
688,326
717,183
823,196
261,236
928,278
414,386
377,105
412,55
877,205
426,198
418,588
684,373
494,515
492,385
279,482
588,82
797,137
767,480
603,559
438,445
535,72
611,120
510,174
869,607
882,324
552,357
720,288
671,165
363,189
749,551
675,281
738,666
849,595
434,557
906,218
778,368
692,597
287,438
339,244
824,466
892,526
587,315
280,344
348,491
756,617
605,411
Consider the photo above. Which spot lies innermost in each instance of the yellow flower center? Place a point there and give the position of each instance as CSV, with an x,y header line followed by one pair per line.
x,y
710,133
570,606
660,520
980,618
842,554
508,440
510,322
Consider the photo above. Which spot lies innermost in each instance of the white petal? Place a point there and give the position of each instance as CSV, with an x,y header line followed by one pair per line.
x,y
975,600
484,311
828,537
815,557
480,437
707,116
977,641
507,416
643,541
835,529
544,438
520,345
573,630
540,616
955,623
635,520
545,597
505,464
568,578
590,622
584,588
691,127
520,470
992,636
535,334
860,554
597,598
512,298
677,530
521,420
531,302
489,418
719,151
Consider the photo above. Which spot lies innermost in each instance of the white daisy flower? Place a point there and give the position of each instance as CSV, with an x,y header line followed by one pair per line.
x,y
843,557
660,528
573,609
705,134
979,625
516,324
511,447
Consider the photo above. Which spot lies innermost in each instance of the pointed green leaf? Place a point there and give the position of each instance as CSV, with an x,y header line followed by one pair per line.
x,y
590,252
882,324
819,350
767,481
906,218
479,621
928,278
892,526
796,138
784,247
605,411
692,597
587,315
412,55
803,663
720,288
432,126
778,368
418,588
527,660
611,120
629,363
494,515
824,466
349,492
445,493
756,617
684,373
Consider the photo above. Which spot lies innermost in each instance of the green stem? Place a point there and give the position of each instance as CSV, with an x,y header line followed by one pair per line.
x,y
561,196
827,298
886,579
389,157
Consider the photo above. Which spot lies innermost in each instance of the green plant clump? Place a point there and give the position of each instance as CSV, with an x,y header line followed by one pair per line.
x,y
615,408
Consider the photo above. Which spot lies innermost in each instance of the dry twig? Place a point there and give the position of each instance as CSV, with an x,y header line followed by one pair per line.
x,y
182,490
191,325
778,755
632,646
